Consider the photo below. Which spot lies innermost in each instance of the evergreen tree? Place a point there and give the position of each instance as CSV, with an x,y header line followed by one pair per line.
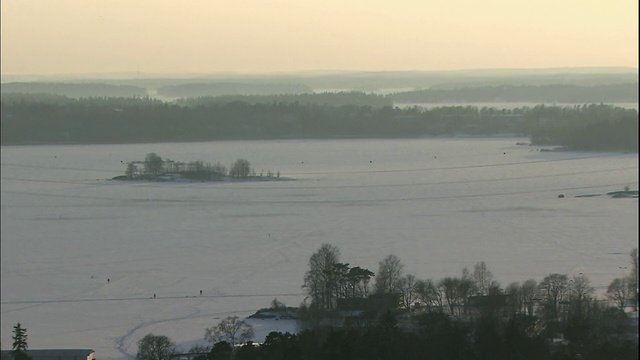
x,y
20,343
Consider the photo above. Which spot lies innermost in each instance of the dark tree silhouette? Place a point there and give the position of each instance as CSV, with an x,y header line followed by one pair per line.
x,y
232,330
317,280
155,347
241,168
20,343
153,164
221,350
389,277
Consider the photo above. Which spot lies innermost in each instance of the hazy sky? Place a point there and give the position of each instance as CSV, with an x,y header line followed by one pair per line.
x,y
197,36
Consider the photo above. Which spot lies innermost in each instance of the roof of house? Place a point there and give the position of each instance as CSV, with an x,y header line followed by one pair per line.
x,y
53,353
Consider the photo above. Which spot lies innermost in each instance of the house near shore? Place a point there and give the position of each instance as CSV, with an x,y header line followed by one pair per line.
x,y
53,354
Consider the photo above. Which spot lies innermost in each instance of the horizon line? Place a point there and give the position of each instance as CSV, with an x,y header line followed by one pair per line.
x,y
320,71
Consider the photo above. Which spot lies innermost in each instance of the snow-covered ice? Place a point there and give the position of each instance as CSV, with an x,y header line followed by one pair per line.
x,y
438,204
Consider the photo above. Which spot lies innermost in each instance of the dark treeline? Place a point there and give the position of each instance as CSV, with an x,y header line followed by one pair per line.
x,y
458,317
587,127
229,88
435,93
350,98
74,90
434,336
49,119
510,93
470,316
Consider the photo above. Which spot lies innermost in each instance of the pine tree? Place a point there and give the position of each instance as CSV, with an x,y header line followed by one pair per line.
x,y
20,343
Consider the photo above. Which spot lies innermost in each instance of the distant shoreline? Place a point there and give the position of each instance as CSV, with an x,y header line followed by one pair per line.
x,y
547,147
457,136
176,178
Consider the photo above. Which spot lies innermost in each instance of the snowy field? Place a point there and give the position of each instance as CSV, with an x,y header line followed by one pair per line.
x,y
438,204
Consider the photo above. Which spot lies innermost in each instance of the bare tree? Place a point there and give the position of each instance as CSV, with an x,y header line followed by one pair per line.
x,y
131,171
618,292
408,287
241,168
153,164
456,292
155,347
232,330
465,289
451,287
430,293
389,276
529,292
515,300
482,278
580,292
553,288
318,281
217,169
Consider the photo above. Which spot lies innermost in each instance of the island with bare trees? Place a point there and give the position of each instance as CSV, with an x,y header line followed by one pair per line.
x,y
155,168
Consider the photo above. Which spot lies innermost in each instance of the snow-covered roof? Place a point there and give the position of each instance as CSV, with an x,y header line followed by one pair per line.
x,y
53,354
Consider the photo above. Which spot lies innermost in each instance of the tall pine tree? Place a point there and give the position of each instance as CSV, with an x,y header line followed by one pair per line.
x,y
20,343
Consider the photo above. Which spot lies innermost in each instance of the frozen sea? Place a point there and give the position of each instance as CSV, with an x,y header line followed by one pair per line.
x,y
438,204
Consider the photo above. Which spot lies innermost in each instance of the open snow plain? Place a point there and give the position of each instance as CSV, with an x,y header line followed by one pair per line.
x,y
438,204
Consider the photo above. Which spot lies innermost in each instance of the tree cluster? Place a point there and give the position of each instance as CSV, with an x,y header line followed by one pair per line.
x,y
498,321
586,127
465,317
153,167
436,336
225,337
328,280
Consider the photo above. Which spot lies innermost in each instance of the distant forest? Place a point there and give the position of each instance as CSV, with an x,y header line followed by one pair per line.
x,y
255,92
74,90
51,119
225,88
353,98
512,93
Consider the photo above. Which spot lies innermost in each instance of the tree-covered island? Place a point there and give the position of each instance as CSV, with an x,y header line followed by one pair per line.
x,y
50,119
154,168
